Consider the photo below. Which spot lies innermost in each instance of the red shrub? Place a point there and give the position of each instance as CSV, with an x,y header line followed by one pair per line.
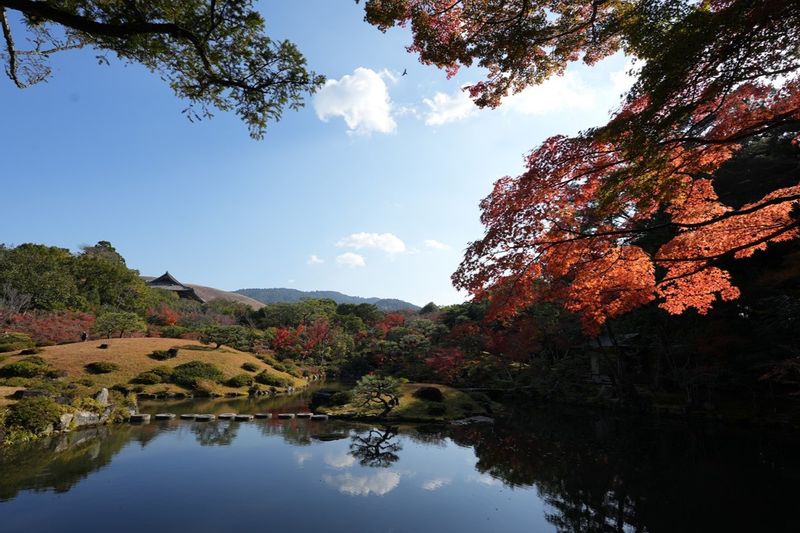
x,y
52,327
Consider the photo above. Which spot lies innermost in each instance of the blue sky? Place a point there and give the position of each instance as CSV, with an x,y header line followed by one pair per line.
x,y
378,177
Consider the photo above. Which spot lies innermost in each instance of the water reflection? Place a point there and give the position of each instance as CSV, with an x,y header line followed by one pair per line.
x,y
58,463
379,483
215,434
376,447
585,473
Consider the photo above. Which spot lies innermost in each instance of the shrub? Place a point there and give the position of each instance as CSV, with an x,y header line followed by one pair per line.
x,y
436,410
30,367
30,351
11,342
173,332
288,366
33,414
429,394
196,347
163,355
204,387
158,374
147,378
121,388
165,372
101,367
341,398
240,380
265,378
88,404
86,382
250,367
52,327
277,365
187,374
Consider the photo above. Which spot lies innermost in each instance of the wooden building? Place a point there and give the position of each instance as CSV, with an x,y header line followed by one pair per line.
x,y
168,283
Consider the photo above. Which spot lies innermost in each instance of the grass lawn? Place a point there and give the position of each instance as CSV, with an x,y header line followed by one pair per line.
x,y
131,356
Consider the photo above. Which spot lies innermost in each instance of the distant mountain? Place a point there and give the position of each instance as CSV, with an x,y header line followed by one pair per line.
x,y
271,296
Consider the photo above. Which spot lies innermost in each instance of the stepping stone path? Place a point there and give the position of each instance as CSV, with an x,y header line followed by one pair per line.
x,y
145,418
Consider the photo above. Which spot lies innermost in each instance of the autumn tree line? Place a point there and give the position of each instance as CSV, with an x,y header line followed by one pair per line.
x,y
646,359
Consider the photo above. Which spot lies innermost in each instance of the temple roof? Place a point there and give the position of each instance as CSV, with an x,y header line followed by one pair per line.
x,y
167,282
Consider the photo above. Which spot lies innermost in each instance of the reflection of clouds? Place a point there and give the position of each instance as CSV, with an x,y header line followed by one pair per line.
x,y
302,457
436,483
379,483
486,479
339,460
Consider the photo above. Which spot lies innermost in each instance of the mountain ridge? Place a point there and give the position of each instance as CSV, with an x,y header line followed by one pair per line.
x,y
287,295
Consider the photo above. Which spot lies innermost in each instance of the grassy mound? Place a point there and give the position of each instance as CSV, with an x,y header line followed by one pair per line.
x,y
132,359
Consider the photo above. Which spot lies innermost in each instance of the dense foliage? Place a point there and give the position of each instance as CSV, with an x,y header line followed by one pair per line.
x,y
212,54
646,358
715,78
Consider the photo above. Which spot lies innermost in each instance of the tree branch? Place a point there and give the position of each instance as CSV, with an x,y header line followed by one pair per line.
x,y
122,30
11,70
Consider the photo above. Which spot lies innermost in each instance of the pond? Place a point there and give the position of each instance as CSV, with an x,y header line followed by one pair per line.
x,y
540,470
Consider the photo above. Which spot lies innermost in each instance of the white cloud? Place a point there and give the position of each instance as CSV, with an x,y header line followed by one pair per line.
x,y
622,80
486,479
314,260
559,93
351,260
339,460
444,108
302,457
379,484
436,245
361,99
435,484
388,242
568,92
390,75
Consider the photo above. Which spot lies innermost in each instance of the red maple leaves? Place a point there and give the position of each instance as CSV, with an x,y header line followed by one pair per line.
x,y
567,229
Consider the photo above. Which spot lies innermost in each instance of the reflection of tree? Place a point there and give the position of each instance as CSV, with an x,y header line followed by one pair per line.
x,y
215,433
432,435
61,461
293,431
603,475
376,448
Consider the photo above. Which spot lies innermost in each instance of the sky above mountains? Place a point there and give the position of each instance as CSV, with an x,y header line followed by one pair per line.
x,y
372,189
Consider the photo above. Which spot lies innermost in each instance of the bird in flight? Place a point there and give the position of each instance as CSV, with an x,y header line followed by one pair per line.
x,y
405,71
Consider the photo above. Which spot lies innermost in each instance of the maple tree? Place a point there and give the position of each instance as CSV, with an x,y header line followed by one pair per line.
x,y
714,76
162,316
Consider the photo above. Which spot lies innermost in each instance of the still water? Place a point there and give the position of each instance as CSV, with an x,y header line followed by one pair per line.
x,y
541,470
